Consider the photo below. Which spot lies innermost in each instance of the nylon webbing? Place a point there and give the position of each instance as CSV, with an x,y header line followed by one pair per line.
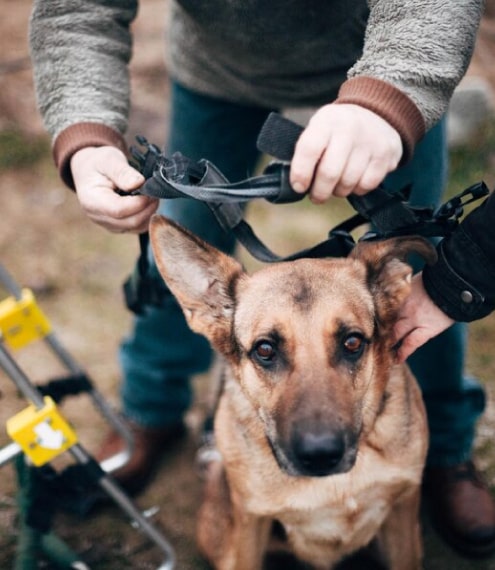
x,y
388,213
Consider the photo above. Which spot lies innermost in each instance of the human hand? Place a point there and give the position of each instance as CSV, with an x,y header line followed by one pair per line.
x,y
97,172
419,320
345,149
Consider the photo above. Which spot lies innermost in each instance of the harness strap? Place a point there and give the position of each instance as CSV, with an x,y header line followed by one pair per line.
x,y
339,244
179,176
140,288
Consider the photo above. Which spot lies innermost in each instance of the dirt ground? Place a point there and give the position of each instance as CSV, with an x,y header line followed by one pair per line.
x,y
76,270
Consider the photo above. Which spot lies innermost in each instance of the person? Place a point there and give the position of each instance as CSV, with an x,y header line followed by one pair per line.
x,y
380,74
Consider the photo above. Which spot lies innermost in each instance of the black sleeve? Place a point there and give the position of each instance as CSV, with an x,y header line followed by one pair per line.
x,y
462,281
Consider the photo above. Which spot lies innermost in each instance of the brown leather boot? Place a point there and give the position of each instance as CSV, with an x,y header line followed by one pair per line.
x,y
461,508
149,447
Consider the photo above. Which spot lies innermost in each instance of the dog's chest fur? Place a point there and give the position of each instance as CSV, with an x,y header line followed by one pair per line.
x,y
326,518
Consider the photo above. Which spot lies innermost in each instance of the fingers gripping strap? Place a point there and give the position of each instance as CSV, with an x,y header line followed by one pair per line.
x,y
278,138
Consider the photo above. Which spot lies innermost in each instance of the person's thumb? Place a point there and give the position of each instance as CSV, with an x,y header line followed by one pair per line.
x,y
127,178
406,348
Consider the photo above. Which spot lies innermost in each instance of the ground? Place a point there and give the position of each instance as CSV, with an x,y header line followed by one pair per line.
x,y
76,270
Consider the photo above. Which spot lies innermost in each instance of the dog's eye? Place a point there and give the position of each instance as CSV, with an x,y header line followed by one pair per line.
x,y
264,351
354,344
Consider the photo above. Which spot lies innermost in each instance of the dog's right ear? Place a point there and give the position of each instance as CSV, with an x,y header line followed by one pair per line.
x,y
201,277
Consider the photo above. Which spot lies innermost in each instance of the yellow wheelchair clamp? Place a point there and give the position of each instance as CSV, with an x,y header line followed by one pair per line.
x,y
40,433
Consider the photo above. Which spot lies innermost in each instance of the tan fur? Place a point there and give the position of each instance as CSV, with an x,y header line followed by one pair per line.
x,y
318,427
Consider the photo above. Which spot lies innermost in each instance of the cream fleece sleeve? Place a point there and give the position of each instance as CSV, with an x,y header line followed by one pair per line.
x,y
80,52
422,47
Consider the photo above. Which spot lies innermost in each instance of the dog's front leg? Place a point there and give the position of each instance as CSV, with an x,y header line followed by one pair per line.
x,y
400,535
248,542
227,536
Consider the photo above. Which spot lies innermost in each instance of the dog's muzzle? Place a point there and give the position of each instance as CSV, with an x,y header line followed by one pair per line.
x,y
316,453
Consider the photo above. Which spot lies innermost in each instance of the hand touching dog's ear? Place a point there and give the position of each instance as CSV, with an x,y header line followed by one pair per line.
x,y
201,278
388,274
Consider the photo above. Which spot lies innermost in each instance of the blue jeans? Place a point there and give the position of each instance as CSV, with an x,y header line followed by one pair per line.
x,y
161,353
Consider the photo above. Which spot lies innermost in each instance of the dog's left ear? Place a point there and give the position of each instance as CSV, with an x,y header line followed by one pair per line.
x,y
201,278
388,274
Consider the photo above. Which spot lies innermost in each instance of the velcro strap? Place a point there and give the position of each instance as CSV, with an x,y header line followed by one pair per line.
x,y
278,137
385,210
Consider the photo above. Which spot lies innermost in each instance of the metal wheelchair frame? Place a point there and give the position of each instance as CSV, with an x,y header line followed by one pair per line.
x,y
40,432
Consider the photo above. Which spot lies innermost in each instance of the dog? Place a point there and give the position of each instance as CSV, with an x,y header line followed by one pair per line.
x,y
320,430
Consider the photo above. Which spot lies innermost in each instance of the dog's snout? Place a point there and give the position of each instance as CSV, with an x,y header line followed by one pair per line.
x,y
318,454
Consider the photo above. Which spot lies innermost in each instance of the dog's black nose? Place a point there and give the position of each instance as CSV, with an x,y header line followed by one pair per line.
x,y
317,454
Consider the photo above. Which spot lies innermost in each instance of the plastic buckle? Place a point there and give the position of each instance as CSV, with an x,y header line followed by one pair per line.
x,y
343,242
43,434
145,162
455,206
22,321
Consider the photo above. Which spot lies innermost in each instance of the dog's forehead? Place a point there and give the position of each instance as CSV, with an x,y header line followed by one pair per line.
x,y
306,287
309,276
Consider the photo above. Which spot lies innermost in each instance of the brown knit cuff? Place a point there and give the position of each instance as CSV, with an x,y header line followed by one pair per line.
x,y
391,104
79,136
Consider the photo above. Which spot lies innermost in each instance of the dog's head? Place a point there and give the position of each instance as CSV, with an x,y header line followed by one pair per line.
x,y
309,341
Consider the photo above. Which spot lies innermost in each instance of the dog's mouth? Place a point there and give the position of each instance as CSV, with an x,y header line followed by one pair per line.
x,y
316,455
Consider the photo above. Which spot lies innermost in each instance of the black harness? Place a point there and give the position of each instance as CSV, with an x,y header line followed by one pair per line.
x,y
389,214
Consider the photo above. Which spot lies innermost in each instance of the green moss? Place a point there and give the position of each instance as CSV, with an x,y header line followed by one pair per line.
x,y
17,150
473,162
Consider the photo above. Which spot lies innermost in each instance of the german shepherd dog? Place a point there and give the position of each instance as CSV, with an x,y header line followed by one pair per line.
x,y
319,429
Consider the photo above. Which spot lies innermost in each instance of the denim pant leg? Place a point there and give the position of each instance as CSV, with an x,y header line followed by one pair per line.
x,y
453,401
161,352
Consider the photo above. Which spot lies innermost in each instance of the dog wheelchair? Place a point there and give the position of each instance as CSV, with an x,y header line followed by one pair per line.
x,y
40,433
